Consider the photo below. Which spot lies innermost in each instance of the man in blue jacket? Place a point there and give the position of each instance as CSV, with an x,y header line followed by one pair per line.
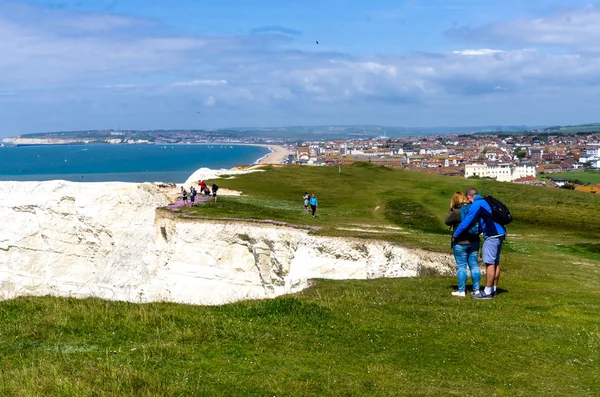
x,y
493,234
313,204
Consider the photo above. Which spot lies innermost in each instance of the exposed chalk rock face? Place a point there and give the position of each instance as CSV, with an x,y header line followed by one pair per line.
x,y
76,239
108,240
221,261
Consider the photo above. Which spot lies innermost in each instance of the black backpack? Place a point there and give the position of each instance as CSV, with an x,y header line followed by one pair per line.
x,y
500,212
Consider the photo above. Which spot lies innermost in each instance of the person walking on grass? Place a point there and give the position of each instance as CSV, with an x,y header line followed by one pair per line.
x,y
493,234
184,196
306,201
214,191
466,245
313,204
192,195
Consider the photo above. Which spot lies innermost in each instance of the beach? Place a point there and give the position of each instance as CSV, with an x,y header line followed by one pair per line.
x,y
278,154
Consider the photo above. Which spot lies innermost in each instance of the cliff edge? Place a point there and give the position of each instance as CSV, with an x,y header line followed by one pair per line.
x,y
112,241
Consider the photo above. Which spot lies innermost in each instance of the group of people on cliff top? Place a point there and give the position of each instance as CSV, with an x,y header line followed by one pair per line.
x,y
204,189
310,199
470,216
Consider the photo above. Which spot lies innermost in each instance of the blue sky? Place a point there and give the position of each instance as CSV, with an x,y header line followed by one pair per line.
x,y
133,64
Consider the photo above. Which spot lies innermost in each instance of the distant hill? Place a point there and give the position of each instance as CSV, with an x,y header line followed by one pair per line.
x,y
572,129
357,131
295,133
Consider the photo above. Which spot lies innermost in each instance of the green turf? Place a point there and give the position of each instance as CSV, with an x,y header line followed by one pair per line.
x,y
374,196
388,337
592,177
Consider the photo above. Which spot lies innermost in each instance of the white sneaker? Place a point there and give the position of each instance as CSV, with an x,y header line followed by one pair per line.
x,y
459,293
476,292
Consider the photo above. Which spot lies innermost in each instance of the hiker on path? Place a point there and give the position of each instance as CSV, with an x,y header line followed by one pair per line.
x,y
313,204
214,191
192,195
306,201
465,246
493,234
202,186
184,195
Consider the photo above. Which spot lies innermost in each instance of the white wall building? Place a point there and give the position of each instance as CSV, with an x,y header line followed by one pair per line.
x,y
503,172
353,151
434,151
593,156
593,152
314,150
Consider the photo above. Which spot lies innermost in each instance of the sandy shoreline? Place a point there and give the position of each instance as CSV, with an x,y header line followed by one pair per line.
x,y
278,154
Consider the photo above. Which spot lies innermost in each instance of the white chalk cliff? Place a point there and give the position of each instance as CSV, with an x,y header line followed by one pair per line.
x,y
108,240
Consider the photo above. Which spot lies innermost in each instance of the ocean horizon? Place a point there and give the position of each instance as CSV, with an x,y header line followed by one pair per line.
x,y
121,163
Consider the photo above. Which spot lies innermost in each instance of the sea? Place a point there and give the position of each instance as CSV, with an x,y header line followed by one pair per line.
x,y
122,163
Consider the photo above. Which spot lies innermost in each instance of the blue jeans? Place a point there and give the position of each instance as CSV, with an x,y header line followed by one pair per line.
x,y
466,255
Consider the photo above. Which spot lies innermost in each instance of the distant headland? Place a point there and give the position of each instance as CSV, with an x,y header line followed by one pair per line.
x,y
275,135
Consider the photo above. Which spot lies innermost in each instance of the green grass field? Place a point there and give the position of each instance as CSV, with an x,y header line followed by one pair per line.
x,y
582,128
592,177
387,337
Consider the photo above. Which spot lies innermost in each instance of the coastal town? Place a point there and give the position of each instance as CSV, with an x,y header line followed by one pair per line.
x,y
538,157
504,157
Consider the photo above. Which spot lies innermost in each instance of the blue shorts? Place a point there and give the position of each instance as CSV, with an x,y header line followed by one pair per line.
x,y
491,250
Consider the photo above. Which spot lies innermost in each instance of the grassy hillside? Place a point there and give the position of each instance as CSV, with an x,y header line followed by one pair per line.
x,y
364,196
540,336
580,128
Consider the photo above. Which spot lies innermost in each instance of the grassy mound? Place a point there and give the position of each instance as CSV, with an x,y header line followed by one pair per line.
x,y
540,336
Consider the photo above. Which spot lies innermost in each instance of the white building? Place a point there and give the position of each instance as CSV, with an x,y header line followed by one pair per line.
x,y
593,152
592,155
314,150
503,172
434,151
355,152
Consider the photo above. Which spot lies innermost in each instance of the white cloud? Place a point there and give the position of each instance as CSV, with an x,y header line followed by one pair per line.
x,y
192,83
575,29
256,74
125,86
58,19
33,58
484,51
41,48
210,101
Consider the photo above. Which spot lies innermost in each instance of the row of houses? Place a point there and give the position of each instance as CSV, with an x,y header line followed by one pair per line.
x,y
502,158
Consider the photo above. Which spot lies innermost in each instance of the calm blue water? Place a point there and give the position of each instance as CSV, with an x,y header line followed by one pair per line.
x,y
126,163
